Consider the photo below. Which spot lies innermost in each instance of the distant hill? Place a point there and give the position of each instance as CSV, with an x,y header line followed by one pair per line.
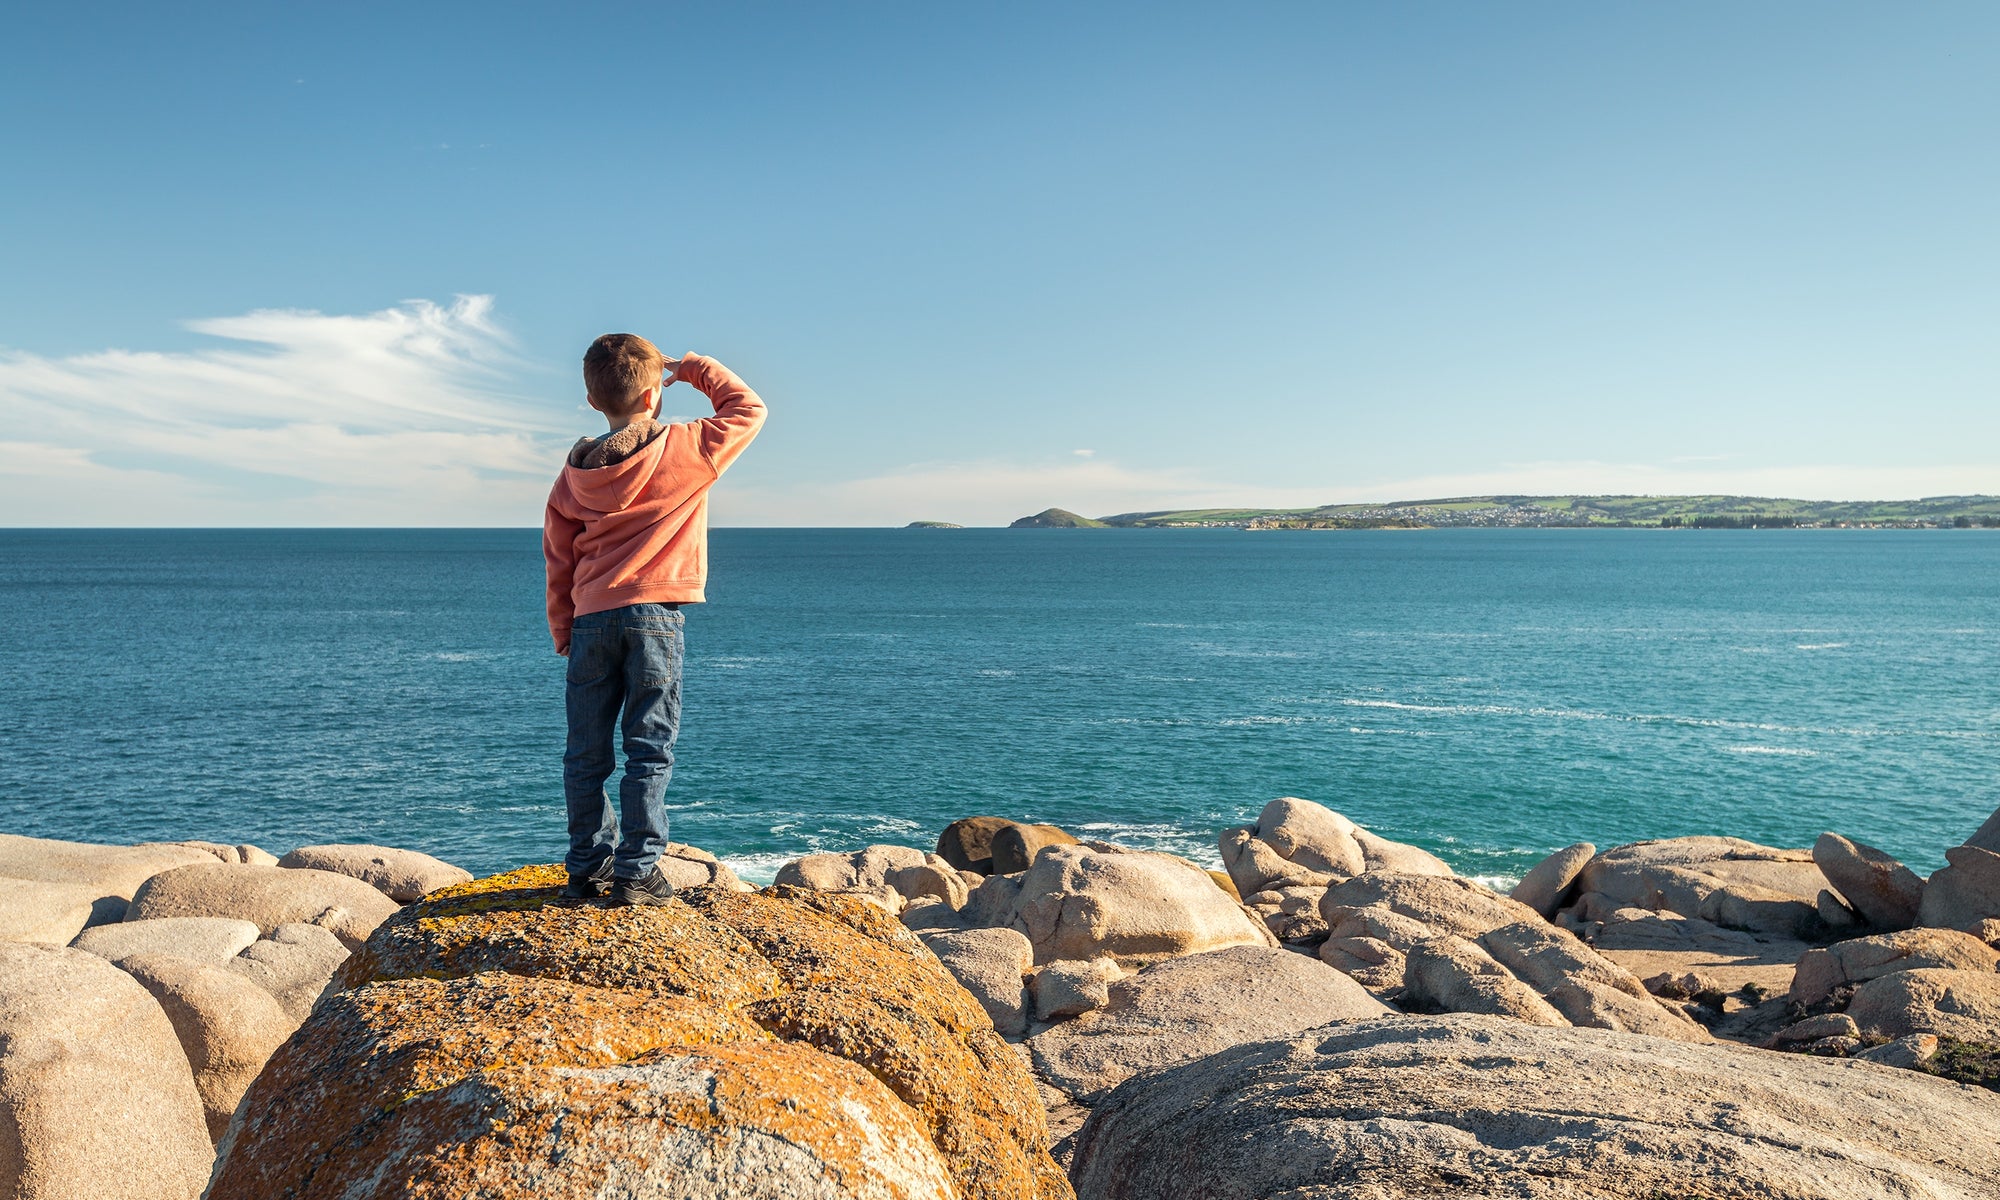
x,y
1056,518
1565,512
932,525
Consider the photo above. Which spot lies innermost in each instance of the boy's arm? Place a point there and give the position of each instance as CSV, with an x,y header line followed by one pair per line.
x,y
559,534
739,413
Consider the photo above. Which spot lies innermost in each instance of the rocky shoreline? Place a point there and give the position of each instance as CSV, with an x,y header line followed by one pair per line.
x,y
1013,1013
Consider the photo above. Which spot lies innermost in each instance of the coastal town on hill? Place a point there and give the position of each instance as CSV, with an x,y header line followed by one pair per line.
x,y
1563,512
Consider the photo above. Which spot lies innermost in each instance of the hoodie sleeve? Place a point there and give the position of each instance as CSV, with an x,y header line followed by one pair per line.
x,y
739,413
559,534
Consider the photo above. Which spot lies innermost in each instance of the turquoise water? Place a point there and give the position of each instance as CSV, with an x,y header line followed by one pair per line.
x,y
1487,694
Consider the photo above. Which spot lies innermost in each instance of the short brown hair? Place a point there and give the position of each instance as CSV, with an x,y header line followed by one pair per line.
x,y
617,367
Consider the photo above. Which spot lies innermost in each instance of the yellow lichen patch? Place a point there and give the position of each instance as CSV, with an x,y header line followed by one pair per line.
x,y
499,1041
366,1053
670,948
715,1121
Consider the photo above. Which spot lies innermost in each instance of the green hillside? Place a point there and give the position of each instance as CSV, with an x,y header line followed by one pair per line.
x,y
1056,518
1559,512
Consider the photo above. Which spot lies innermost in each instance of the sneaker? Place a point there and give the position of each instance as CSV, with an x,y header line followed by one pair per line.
x,y
591,886
653,889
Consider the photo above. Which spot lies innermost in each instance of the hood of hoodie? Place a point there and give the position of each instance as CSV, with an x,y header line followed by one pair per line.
x,y
615,485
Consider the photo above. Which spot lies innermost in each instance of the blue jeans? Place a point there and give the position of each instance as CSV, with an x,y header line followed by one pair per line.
x,y
627,658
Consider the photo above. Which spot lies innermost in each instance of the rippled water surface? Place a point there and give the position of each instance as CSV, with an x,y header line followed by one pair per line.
x,y
1487,694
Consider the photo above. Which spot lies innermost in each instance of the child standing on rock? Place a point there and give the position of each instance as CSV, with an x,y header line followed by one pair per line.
x,y
626,540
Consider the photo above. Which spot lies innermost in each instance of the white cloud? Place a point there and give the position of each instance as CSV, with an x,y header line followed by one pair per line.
x,y
395,417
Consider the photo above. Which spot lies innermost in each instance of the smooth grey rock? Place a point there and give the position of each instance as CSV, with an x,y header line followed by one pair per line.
x,y
1728,881
1812,1029
1081,902
294,964
97,1097
1858,960
227,1025
114,872
49,913
404,876
204,939
1908,1053
267,897
1964,1005
1070,989
1884,892
1550,883
1965,892
1453,974
992,964
1192,1006
1464,1107
1445,904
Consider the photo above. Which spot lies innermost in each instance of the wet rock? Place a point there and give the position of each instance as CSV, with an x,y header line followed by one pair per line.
x,y
294,964
1964,1005
967,843
1016,845
992,964
1099,901
1883,891
267,897
401,875
1193,1006
1070,989
1858,960
49,913
1963,893
1422,1107
790,1008
1551,883
227,1026
112,872
203,939
98,1100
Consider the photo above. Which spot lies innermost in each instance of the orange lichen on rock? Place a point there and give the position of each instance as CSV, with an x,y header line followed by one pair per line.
x,y
495,1040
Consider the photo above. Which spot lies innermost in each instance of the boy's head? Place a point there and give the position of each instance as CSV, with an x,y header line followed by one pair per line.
x,y
617,371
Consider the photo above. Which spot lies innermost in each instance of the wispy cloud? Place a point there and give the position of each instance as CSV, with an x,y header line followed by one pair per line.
x,y
401,416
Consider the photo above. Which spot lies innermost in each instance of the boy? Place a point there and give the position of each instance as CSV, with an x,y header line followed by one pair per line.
x,y
626,539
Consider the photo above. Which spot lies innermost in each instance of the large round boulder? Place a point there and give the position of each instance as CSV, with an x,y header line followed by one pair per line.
x,y
97,1097
1462,1106
204,939
111,873
1100,901
1186,1008
226,1024
267,897
401,875
496,1040
49,913
1962,1005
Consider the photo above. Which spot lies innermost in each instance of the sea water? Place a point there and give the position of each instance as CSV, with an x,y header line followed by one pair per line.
x,y
1487,694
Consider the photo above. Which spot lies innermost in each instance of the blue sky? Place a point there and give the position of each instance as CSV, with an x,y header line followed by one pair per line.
x,y
291,264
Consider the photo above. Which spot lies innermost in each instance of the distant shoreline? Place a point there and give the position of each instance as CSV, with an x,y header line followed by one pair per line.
x,y
1562,512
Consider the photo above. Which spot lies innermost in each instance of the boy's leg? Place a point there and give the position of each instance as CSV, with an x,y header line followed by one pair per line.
x,y
593,688
653,648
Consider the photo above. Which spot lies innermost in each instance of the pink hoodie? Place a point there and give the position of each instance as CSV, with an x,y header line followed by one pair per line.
x,y
636,531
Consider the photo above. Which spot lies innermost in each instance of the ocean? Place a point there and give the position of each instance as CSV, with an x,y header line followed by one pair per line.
x,y
1489,695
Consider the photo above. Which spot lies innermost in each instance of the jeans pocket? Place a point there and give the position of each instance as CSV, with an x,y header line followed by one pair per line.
x,y
589,662
659,657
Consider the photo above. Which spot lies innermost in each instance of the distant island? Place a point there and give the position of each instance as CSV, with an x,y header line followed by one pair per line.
x,y
1564,512
932,525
